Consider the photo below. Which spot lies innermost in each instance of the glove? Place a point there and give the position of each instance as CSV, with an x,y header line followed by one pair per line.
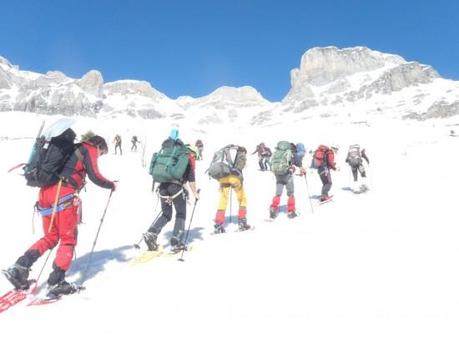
x,y
292,169
302,171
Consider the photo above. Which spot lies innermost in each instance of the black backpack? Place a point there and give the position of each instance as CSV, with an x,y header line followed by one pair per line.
x,y
48,159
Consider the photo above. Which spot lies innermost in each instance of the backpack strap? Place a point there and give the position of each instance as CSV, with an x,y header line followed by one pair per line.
x,y
80,157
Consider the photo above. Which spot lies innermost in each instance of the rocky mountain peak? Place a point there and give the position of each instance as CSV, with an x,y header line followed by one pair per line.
x,y
92,83
320,66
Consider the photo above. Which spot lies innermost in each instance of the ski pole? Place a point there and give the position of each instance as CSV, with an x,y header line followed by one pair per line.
x,y
230,188
307,192
189,226
83,278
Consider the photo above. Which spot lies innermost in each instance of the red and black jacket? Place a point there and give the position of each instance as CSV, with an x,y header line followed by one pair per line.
x,y
84,161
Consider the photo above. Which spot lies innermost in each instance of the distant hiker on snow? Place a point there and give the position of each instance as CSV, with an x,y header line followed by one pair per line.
x,y
284,162
134,142
226,167
354,159
117,142
200,146
324,160
172,178
264,156
58,204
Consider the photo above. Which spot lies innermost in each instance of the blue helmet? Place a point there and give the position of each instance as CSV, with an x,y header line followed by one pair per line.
x,y
174,134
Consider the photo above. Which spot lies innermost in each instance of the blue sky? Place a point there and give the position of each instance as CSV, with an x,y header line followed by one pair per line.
x,y
192,47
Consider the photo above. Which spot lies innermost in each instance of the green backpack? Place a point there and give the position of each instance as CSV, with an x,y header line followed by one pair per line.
x,y
282,158
170,163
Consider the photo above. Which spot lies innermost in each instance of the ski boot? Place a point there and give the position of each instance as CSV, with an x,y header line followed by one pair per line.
x,y
62,288
150,241
219,228
177,245
17,275
243,226
364,188
292,214
273,212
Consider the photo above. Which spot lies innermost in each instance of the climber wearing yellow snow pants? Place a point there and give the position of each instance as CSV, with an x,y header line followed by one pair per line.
x,y
226,184
226,167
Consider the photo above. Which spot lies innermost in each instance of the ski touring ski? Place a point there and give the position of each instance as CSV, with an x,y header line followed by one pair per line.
x,y
225,231
330,199
15,296
362,189
148,256
40,300
12,298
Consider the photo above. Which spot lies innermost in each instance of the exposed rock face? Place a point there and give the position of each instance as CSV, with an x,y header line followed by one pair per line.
x,y
92,83
440,109
5,79
341,77
330,65
132,87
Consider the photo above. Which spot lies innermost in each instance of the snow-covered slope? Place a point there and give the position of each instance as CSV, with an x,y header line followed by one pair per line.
x,y
371,268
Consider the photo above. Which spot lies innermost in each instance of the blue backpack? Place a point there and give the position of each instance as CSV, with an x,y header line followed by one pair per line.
x,y
299,155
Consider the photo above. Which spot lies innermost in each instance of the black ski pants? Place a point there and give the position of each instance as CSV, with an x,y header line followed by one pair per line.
x,y
166,192
358,168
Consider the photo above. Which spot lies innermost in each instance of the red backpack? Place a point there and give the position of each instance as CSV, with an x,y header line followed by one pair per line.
x,y
320,156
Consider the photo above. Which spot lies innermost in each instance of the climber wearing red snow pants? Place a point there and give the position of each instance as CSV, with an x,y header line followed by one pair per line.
x,y
59,206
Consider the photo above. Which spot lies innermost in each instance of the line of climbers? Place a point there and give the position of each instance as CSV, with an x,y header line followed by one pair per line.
x,y
59,167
